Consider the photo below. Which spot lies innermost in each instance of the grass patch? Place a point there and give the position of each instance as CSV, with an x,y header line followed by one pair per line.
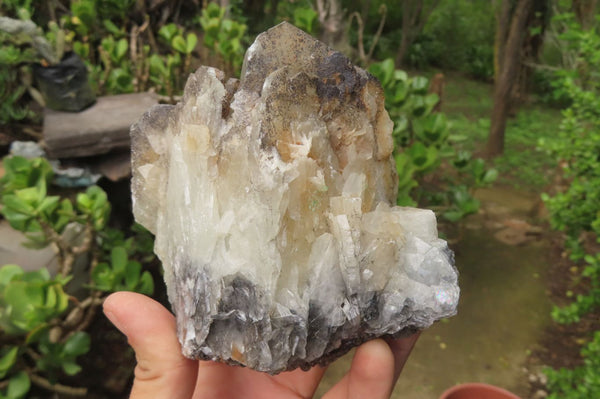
x,y
468,105
523,163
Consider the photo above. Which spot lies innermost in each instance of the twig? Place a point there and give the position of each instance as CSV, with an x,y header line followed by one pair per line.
x,y
151,38
76,315
58,388
361,27
365,58
133,37
383,11
541,66
87,240
91,313
33,354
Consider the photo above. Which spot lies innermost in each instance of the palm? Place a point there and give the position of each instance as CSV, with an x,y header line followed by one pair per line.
x,y
217,380
162,372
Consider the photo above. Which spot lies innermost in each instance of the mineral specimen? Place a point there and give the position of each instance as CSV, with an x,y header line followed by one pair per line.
x,y
272,200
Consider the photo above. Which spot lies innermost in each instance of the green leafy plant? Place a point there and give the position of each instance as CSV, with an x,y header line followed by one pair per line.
x,y
223,36
304,18
42,325
164,73
423,144
29,300
118,69
25,31
582,382
576,209
122,274
12,72
183,44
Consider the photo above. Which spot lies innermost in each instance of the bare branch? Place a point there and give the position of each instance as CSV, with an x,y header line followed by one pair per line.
x,y
383,12
361,27
58,388
541,66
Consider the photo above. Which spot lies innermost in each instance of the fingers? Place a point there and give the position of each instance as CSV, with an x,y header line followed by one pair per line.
x,y
371,374
161,372
401,349
303,383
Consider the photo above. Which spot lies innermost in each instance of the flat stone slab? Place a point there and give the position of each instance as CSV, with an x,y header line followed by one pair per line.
x,y
99,129
12,251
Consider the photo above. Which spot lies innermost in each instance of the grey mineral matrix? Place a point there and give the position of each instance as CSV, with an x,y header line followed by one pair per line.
x,y
272,199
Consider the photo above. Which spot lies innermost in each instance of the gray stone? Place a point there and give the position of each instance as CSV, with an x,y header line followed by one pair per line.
x,y
99,129
11,251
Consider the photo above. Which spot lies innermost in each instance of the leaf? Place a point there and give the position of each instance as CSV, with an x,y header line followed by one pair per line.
x,y
384,71
168,31
401,124
462,159
118,257
48,204
111,27
146,284
39,275
51,298
19,385
157,66
422,157
121,49
70,367
179,44
191,42
132,275
400,93
22,295
17,220
400,75
103,277
490,176
419,85
17,204
453,216
8,273
8,360
84,202
77,344
431,100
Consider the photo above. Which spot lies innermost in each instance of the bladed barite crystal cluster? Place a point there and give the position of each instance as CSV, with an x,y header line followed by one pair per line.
x,y
272,201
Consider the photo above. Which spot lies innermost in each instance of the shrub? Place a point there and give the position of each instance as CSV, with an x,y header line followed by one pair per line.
x,y
42,323
576,210
423,144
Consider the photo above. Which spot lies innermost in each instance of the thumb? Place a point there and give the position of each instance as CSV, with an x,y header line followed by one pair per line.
x,y
371,374
161,372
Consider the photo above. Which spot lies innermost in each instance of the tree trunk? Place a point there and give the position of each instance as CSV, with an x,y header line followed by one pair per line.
x,y
411,10
502,25
414,17
404,43
585,12
509,68
537,23
331,18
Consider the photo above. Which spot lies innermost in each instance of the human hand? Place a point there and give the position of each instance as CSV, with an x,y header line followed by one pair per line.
x,y
163,373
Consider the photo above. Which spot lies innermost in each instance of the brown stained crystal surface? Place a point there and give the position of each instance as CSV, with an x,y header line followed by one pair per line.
x,y
272,200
